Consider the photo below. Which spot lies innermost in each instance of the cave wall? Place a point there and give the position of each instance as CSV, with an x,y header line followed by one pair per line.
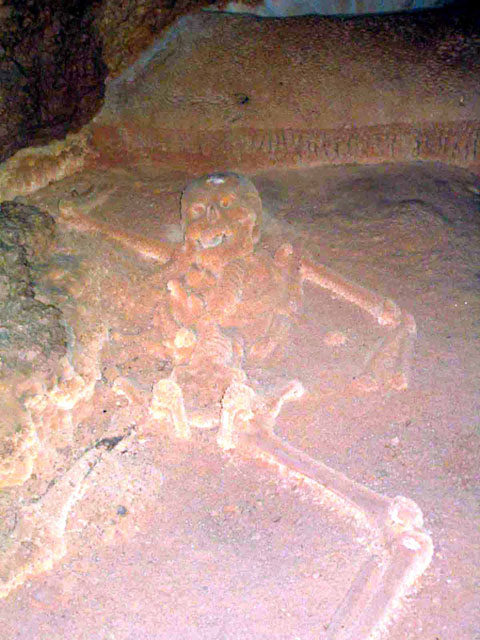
x,y
56,55
51,70
283,8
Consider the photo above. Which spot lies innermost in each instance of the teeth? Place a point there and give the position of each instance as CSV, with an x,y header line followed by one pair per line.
x,y
214,242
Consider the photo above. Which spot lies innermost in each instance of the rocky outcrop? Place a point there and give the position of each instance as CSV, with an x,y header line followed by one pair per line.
x,y
236,91
31,331
45,369
219,90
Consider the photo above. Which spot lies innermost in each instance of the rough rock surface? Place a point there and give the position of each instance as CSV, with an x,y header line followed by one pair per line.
x,y
240,91
218,90
31,331
48,353
32,336
128,27
51,71
44,97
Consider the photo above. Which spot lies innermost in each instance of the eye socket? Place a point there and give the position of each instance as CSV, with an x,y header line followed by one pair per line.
x,y
196,210
226,201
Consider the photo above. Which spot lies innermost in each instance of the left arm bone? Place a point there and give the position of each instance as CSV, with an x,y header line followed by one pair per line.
x,y
397,345
383,310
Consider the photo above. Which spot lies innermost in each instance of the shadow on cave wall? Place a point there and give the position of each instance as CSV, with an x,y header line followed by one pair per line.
x,y
51,70
56,54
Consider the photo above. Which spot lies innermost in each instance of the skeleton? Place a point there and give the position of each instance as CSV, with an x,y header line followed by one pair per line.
x,y
230,306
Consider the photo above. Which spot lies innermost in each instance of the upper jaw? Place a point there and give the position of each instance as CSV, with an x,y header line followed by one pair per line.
x,y
210,242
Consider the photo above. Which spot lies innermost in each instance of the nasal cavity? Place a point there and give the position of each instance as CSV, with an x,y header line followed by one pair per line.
x,y
212,213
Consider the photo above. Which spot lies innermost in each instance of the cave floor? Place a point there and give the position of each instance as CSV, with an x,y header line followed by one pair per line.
x,y
179,540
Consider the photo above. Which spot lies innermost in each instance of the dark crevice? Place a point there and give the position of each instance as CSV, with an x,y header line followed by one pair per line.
x,y
51,71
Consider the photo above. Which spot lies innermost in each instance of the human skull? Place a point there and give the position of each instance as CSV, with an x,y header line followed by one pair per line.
x,y
221,216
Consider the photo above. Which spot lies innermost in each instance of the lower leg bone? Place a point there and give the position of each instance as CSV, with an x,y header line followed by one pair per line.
x,y
378,588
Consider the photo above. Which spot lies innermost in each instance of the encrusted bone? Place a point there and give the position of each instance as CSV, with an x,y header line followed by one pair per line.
x,y
38,540
383,579
168,399
398,343
211,302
